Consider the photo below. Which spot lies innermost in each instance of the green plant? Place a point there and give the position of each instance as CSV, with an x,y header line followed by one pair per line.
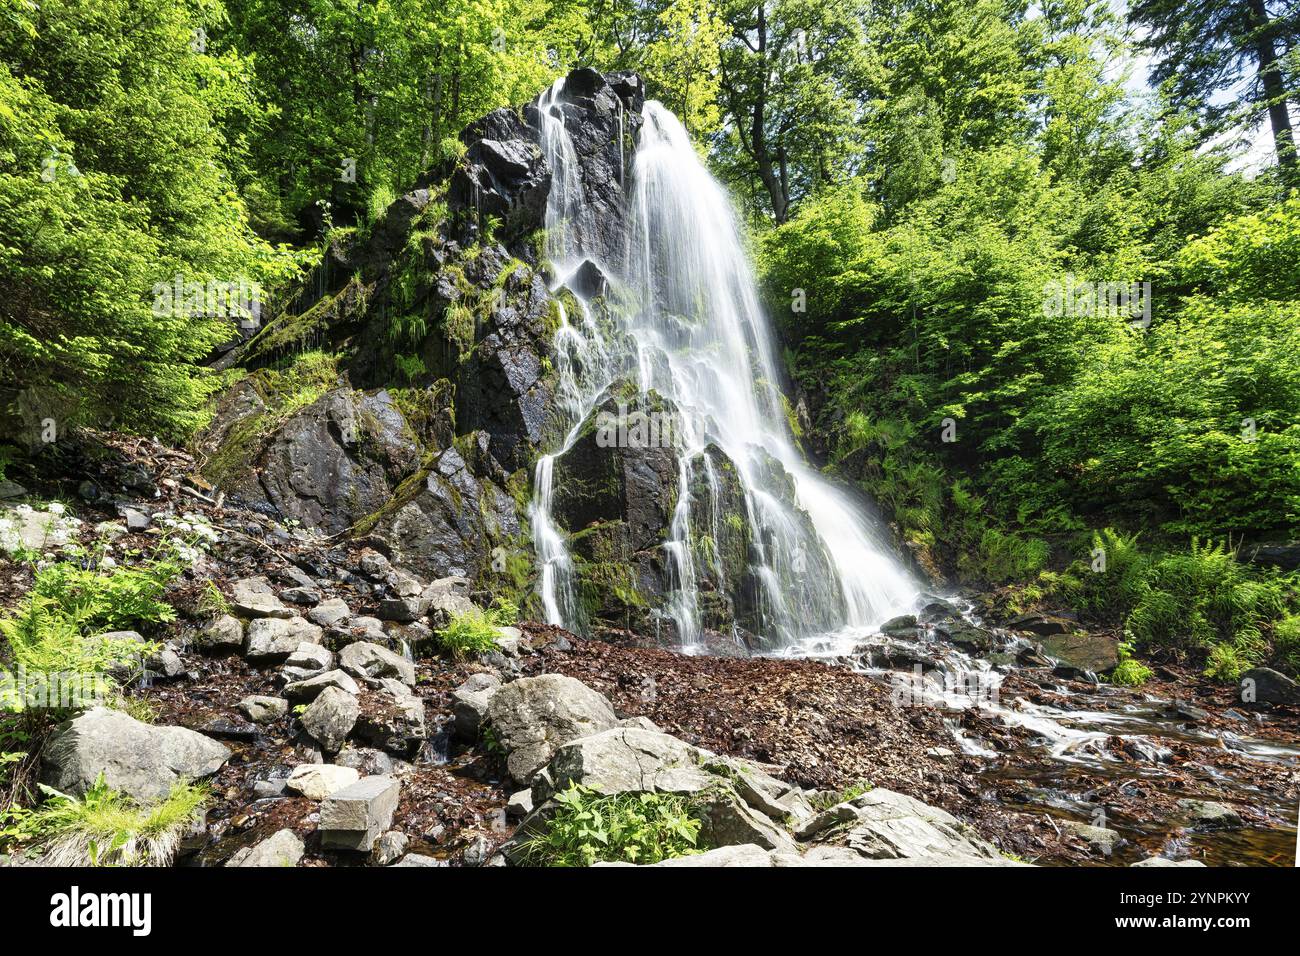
x,y
211,603
105,827
473,632
1130,672
640,828
1226,663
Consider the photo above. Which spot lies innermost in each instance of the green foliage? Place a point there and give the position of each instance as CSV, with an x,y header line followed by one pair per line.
x,y
1130,672
588,828
107,828
830,798
475,632
60,627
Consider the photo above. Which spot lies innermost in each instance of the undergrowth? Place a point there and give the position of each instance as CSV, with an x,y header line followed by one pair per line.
x,y
640,828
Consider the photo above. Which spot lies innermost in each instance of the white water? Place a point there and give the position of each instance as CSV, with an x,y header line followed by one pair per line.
x,y
701,339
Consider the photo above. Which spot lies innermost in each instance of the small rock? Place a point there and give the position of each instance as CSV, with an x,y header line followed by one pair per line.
x,y
226,633
253,597
135,520
331,717
11,489
308,597
272,640
390,847
355,817
1101,839
261,709
403,609
316,781
478,851
329,613
368,761
1163,861
227,728
373,564
416,859
283,848
1209,815
520,805
307,661
308,690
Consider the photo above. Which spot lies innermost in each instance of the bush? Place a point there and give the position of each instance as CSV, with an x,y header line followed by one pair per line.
x,y
107,828
1286,644
476,632
1129,672
640,828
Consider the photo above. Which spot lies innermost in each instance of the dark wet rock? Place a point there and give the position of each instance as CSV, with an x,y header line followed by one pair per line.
x,y
1042,625
305,596
1285,556
229,728
903,626
139,759
502,175
1083,652
1210,815
1263,685
334,462
452,521
968,637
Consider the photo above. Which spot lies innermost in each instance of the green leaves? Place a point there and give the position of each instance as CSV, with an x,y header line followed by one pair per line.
x,y
588,828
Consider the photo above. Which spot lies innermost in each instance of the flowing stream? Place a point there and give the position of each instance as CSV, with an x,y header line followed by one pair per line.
x,y
689,314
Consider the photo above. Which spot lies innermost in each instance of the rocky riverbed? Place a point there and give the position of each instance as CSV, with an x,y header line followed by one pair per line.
x,y
331,733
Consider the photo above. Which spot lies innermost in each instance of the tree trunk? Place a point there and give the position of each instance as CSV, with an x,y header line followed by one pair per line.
x,y
1270,77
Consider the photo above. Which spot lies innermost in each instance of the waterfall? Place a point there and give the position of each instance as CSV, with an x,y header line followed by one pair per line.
x,y
701,340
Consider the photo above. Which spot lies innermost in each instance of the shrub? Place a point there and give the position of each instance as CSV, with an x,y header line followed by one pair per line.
x,y
476,632
1130,672
1286,643
108,828
638,828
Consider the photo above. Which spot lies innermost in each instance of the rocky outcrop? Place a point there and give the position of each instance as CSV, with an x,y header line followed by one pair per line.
x,y
532,716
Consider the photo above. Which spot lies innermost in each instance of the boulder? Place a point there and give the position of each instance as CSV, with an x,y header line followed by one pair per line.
x,y
309,689
253,597
744,854
139,759
355,817
224,635
330,718
370,662
894,826
329,613
283,848
307,661
392,722
316,781
1082,652
263,710
390,847
624,759
533,716
1263,685
272,640
469,704
1164,861
1101,839
1210,815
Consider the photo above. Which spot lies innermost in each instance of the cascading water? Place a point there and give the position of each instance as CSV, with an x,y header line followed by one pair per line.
x,y
700,339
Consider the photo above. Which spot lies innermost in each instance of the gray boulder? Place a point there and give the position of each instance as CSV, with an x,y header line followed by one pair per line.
x,y
329,613
331,717
283,848
469,704
141,760
370,662
1263,685
535,715
263,710
310,689
225,634
253,597
272,640
355,817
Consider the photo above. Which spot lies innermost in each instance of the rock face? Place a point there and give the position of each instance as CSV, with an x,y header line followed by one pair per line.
x,y
534,715
139,759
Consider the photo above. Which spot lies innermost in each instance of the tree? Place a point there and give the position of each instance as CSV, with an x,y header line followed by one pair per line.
x,y
682,63
1205,48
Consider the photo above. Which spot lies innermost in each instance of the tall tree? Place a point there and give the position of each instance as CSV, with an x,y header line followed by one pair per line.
x,y
1204,50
